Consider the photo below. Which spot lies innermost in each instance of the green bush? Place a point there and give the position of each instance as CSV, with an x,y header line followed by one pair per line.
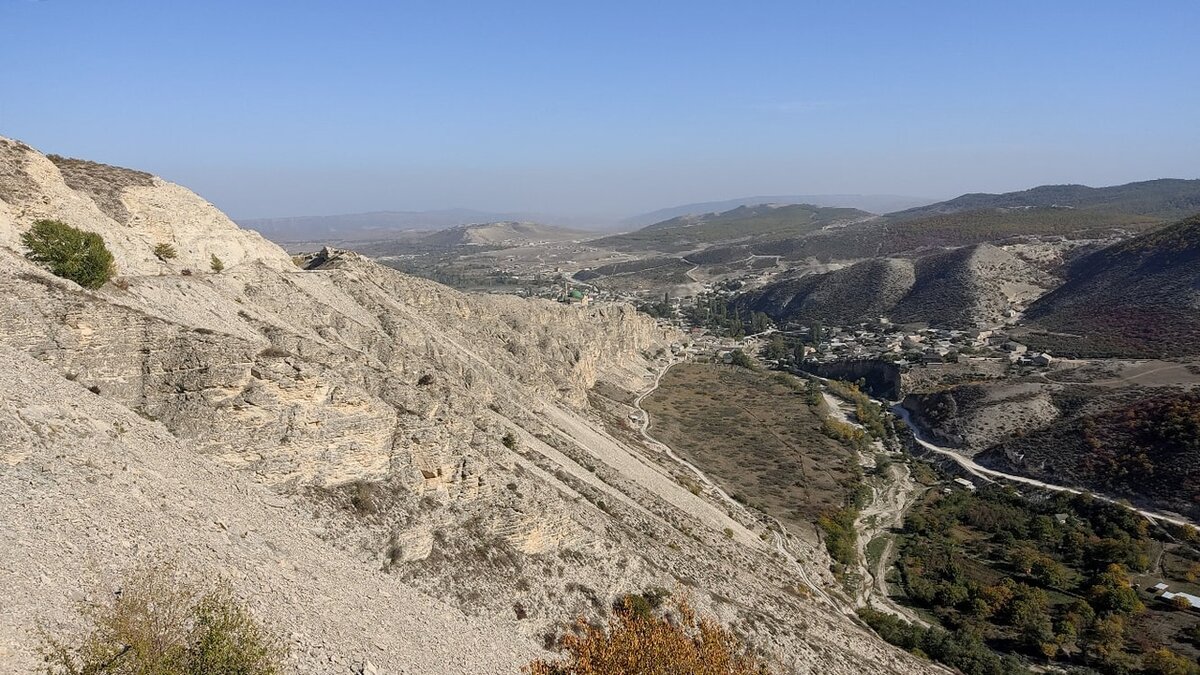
x,y
69,252
216,264
159,626
165,252
740,359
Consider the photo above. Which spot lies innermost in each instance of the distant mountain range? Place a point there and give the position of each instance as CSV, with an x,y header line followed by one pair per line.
x,y
869,203
1165,198
797,226
744,224
379,225
1071,211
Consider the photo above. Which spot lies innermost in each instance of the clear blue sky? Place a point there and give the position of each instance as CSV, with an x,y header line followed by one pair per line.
x,y
288,108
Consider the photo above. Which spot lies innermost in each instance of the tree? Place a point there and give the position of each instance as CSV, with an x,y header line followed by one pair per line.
x,y
1111,591
815,333
165,252
1049,572
1107,637
158,626
637,643
216,264
738,358
776,349
69,253
1163,661
812,393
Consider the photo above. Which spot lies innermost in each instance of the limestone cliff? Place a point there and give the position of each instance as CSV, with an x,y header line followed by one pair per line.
x,y
441,437
132,210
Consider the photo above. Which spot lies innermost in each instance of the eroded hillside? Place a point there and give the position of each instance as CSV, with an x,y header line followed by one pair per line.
x,y
963,287
417,467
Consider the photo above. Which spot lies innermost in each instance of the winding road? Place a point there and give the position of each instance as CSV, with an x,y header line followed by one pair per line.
x,y
991,475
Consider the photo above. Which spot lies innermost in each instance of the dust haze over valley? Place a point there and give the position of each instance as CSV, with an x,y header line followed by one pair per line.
x,y
448,347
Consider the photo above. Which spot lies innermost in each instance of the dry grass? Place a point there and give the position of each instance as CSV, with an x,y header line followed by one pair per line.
x,y
757,436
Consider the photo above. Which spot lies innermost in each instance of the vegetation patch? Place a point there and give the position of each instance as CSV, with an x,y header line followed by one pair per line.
x,y
69,252
1064,579
157,625
644,643
102,183
1147,449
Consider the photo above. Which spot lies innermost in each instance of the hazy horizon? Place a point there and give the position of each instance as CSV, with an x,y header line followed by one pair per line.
x,y
605,111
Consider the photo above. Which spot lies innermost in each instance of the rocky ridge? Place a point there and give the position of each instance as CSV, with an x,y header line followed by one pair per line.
x,y
434,450
962,287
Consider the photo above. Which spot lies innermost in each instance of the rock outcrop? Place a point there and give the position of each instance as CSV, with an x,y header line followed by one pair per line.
x,y
132,210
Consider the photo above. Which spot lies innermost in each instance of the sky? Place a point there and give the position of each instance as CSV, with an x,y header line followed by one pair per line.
x,y
603,108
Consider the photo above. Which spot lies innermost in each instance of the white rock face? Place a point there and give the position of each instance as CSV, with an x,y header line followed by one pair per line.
x,y
132,210
443,437
88,488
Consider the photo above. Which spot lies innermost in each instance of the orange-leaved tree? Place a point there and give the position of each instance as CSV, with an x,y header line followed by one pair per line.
x,y
641,643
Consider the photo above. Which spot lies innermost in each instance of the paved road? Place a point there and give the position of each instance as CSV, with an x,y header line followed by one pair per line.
x,y
991,474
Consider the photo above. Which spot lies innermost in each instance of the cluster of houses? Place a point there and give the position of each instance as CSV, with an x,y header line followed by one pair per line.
x,y
1160,591
702,343
884,340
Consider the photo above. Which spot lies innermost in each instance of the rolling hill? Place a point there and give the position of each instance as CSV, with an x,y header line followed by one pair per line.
x,y
1164,199
1072,212
1149,289
871,203
507,234
1146,450
961,287
744,224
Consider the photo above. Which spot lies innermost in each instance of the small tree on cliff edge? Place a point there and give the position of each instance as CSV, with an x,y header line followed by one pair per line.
x,y
69,252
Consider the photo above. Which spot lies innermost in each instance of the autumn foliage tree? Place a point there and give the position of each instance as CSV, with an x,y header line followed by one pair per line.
x,y
638,643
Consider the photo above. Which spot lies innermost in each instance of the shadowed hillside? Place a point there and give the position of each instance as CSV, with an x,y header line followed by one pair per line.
x,y
1149,287
1147,450
1164,199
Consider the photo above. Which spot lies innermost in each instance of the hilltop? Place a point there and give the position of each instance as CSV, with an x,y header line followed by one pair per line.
x,y
1163,199
379,225
504,234
869,203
